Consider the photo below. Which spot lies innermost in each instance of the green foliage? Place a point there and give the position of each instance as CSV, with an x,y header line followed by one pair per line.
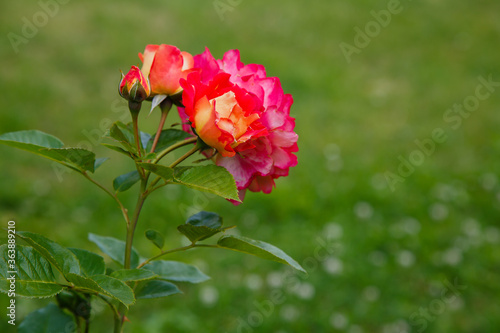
x,y
90,263
257,248
34,277
208,178
114,248
167,138
156,289
49,319
164,172
116,288
177,271
133,274
126,181
50,147
63,259
155,237
121,133
201,226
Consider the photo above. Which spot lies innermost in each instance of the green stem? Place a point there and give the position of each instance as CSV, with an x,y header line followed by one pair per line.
x,y
133,223
174,147
128,248
135,116
111,194
186,155
182,158
165,108
116,315
183,248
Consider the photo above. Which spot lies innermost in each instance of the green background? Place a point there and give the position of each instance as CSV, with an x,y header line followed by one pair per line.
x,y
392,249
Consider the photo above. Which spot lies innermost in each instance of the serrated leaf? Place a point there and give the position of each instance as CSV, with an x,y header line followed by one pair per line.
x,y
50,147
259,249
90,263
116,288
167,138
34,277
155,237
133,274
104,285
126,181
177,271
30,140
201,226
62,258
155,289
82,159
49,319
114,248
164,172
208,178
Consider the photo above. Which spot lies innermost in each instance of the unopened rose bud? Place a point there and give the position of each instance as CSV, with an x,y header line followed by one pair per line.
x,y
134,86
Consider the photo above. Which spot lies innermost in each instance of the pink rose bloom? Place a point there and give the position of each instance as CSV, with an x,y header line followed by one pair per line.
x,y
259,156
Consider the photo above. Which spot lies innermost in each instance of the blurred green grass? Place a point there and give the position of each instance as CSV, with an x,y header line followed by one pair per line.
x,y
393,249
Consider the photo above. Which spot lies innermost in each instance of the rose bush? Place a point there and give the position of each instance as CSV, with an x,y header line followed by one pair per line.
x,y
233,113
244,115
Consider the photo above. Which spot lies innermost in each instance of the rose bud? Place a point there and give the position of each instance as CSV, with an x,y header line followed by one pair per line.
x,y
134,86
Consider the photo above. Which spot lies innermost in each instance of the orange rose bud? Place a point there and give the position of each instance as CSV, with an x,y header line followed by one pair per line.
x,y
134,86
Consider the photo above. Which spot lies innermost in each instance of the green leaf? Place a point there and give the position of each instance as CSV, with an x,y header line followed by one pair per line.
x,y
208,178
155,237
116,148
75,158
126,181
90,263
99,162
62,258
30,140
114,248
50,147
116,288
201,226
133,274
34,277
156,289
124,135
104,285
167,138
164,172
49,319
257,248
177,271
